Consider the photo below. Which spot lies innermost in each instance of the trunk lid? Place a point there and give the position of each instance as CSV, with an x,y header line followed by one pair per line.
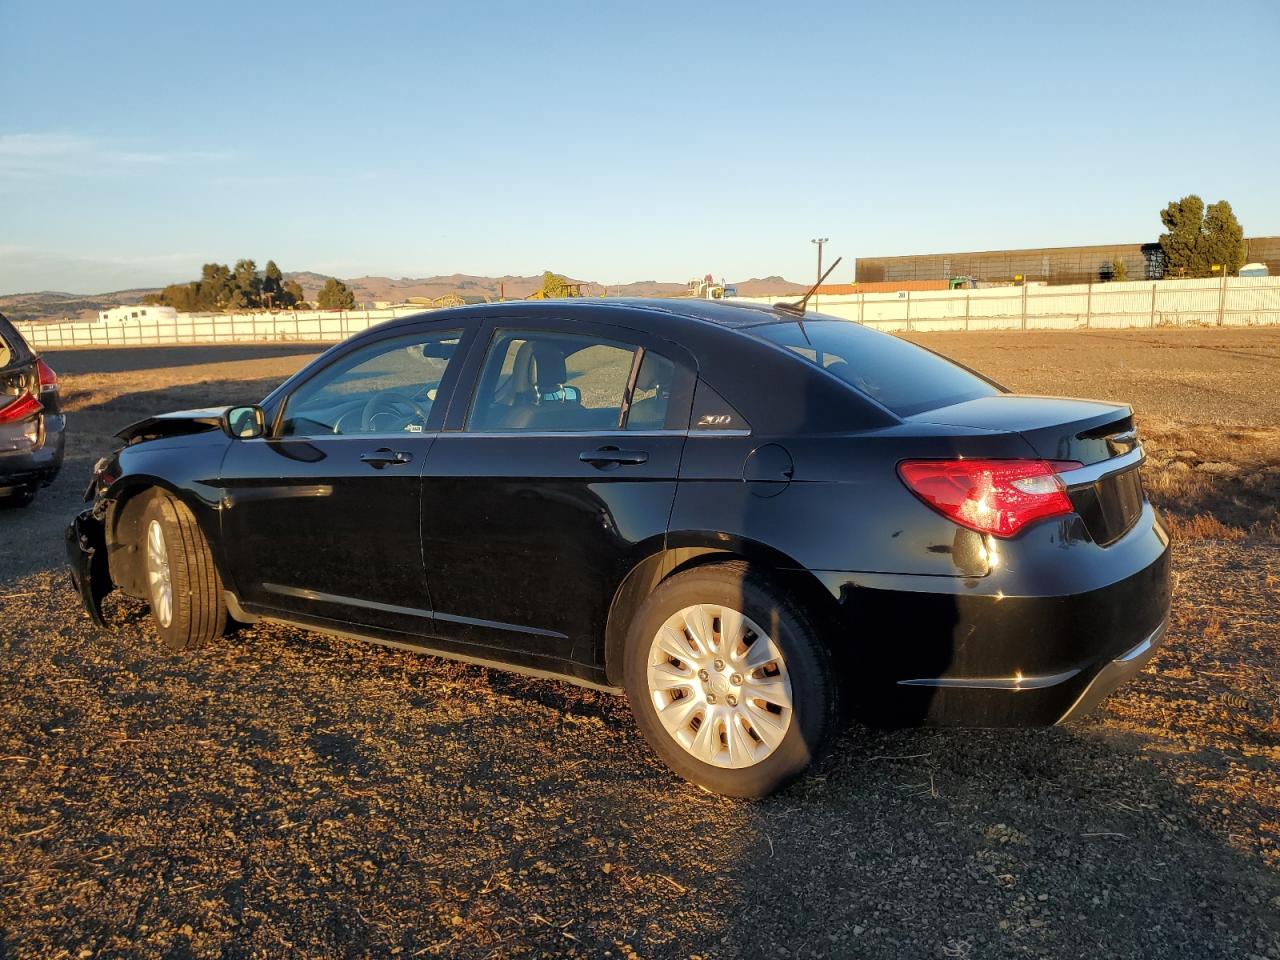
x,y
1107,493
1058,428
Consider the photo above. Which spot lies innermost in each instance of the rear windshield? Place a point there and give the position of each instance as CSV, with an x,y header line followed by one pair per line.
x,y
903,377
12,347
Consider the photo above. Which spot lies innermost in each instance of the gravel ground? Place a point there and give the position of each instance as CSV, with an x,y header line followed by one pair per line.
x,y
286,793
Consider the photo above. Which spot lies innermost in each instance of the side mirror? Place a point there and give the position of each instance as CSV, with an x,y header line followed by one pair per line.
x,y
244,423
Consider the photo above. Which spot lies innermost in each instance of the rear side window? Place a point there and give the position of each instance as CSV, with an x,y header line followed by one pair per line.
x,y
545,381
899,375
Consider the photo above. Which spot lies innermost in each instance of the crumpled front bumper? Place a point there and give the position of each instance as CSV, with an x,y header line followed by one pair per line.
x,y
87,559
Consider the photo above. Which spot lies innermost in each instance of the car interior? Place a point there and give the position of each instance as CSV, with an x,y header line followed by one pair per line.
x,y
391,392
537,394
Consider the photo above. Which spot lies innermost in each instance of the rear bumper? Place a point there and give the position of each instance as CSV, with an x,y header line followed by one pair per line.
x,y
1113,674
1009,649
23,463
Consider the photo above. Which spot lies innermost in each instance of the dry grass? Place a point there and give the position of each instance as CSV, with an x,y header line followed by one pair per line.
x,y
291,794
1219,482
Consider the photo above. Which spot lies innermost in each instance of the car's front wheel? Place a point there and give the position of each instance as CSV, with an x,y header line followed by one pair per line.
x,y
729,681
188,607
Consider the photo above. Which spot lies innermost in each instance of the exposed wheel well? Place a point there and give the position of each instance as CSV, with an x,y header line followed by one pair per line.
x,y
653,570
123,533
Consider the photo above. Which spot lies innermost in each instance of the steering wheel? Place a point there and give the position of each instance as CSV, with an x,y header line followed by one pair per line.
x,y
389,403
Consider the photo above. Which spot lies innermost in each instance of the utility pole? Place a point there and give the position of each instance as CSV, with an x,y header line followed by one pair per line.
x,y
819,241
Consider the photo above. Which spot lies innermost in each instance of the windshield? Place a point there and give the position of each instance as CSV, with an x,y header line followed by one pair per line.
x,y
903,377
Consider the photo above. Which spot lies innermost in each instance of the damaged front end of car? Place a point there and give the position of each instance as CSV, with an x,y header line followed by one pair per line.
x,y
86,545
101,540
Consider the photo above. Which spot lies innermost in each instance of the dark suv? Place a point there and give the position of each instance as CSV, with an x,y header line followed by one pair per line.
x,y
32,426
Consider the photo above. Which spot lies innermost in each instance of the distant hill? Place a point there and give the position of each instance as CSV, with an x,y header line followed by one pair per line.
x,y
53,305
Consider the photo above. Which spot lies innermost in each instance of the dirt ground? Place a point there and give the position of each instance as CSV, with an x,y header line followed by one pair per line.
x,y
290,794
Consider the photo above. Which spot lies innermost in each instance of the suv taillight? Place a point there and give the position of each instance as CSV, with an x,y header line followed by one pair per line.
x,y
24,406
999,497
48,379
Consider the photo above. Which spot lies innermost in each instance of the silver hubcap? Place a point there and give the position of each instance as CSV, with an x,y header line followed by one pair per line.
x,y
720,686
158,579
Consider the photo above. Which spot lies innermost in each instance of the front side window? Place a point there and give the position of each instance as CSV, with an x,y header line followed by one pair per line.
x,y
538,381
386,387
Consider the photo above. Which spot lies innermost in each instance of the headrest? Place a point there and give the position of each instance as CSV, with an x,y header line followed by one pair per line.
x,y
549,373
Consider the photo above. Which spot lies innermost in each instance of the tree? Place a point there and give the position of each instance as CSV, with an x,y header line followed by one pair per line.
x,y
1224,238
1119,270
555,286
180,296
334,295
213,289
221,288
246,287
273,294
293,294
1196,240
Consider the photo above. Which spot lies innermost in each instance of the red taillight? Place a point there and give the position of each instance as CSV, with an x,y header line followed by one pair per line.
x,y
999,497
48,379
24,406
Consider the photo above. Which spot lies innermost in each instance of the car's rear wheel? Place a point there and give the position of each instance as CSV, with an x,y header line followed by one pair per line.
x,y
729,681
183,586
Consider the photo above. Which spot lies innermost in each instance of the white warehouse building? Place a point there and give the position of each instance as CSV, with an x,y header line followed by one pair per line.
x,y
137,314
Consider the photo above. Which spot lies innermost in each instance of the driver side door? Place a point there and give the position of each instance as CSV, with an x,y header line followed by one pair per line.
x,y
321,517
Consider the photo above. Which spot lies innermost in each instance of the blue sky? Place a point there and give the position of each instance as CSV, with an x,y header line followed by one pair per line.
x,y
613,142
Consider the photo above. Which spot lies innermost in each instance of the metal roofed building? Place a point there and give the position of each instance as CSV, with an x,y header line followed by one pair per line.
x,y
1088,264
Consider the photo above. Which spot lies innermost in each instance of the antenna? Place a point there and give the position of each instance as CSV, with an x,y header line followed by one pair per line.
x,y
798,308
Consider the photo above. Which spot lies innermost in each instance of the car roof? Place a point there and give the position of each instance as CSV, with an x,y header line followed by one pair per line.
x,y
719,312
797,395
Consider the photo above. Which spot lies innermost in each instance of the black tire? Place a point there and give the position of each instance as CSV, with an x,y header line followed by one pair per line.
x,y
20,498
814,689
198,608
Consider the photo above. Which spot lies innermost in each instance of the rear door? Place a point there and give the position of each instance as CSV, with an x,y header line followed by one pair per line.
x,y
321,517
550,478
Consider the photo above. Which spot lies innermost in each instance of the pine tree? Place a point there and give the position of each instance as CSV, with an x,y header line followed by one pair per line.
x,y
334,295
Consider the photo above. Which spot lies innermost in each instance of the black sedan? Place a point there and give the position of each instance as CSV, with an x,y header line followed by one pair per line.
x,y
747,519
32,425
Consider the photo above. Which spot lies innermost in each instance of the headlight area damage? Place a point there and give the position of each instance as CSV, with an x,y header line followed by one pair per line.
x,y
86,539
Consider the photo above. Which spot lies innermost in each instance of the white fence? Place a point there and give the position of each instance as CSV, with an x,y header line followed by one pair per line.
x,y
1237,301
1243,301
305,326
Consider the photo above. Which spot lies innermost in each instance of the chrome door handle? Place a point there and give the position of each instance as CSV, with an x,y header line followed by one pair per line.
x,y
611,456
385,455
